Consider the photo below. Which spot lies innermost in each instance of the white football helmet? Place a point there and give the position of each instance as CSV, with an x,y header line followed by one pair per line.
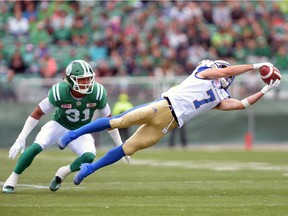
x,y
79,69
225,81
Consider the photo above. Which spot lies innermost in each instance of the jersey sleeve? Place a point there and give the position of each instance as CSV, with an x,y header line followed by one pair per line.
x,y
101,96
54,94
106,111
45,105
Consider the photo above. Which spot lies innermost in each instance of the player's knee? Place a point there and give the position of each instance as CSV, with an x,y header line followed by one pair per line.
x,y
129,149
88,157
36,148
120,122
132,145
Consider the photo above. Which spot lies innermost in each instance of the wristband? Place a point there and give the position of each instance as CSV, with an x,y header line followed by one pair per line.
x,y
115,135
265,90
245,103
257,66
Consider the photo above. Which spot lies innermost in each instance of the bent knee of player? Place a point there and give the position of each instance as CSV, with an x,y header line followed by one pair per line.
x,y
129,149
88,157
120,122
130,146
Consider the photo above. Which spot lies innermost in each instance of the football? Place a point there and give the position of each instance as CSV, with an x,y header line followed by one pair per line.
x,y
269,73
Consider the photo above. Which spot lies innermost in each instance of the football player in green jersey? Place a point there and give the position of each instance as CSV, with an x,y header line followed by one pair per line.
x,y
75,99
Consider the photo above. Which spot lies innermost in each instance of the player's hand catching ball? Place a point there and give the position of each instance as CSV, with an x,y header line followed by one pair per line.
x,y
273,84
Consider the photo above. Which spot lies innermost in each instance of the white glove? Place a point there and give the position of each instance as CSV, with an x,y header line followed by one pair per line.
x,y
126,159
18,146
259,65
272,85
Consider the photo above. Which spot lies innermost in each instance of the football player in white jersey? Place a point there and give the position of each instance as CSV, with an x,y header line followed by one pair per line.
x,y
205,89
75,99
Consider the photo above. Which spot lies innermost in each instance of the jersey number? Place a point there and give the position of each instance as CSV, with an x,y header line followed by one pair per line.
x,y
211,98
73,115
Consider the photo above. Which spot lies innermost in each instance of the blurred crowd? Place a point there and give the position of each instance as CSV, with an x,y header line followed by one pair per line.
x,y
139,38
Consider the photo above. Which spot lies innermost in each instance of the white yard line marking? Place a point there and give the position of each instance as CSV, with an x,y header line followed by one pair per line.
x,y
45,187
214,165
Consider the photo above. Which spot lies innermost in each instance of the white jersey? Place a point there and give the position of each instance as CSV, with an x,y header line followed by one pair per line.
x,y
195,95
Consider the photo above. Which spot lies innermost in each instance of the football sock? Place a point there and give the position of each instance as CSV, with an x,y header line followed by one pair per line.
x,y
27,157
94,126
63,172
12,180
87,157
110,157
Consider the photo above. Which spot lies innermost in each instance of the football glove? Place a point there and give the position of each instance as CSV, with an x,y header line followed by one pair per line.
x,y
18,146
259,65
273,84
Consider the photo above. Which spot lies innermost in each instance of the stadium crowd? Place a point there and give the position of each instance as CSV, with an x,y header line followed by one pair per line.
x,y
139,38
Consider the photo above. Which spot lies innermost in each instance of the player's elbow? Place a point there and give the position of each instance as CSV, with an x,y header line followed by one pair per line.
x,y
240,107
237,106
234,106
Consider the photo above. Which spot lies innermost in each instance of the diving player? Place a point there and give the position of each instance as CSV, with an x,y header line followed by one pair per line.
x,y
205,89
75,99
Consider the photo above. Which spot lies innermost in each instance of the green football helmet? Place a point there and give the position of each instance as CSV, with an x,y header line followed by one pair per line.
x,y
79,69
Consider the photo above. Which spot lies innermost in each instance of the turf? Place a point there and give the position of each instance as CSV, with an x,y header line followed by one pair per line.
x,y
158,182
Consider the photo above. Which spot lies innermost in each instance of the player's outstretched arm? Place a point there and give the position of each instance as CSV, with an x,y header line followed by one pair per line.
x,y
234,104
31,122
215,73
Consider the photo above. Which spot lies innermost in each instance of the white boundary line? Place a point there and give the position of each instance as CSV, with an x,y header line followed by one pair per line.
x,y
214,165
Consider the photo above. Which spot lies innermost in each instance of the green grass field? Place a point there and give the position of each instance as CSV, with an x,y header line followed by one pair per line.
x,y
158,182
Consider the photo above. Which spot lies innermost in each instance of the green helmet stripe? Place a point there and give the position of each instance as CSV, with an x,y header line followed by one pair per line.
x,y
89,67
84,66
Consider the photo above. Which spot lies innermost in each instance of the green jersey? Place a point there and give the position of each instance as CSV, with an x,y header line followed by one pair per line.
x,y
72,112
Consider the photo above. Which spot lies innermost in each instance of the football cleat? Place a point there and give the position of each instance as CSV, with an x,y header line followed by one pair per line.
x,y
8,189
66,139
85,170
10,183
55,184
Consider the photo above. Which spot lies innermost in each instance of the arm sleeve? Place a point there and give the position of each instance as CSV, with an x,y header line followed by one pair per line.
x,y
106,111
46,106
28,127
